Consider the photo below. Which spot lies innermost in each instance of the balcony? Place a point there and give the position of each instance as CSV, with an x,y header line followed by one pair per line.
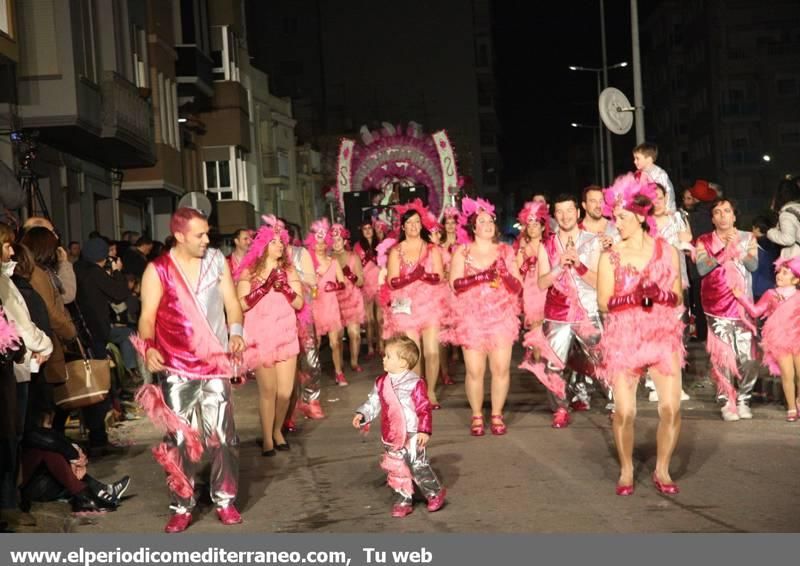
x,y
127,132
275,166
194,72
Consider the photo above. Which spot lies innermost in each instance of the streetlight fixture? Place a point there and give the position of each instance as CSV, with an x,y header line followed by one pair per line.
x,y
598,71
597,175
766,157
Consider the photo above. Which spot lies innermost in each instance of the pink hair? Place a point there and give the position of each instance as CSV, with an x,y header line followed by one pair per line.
x,y
271,229
179,223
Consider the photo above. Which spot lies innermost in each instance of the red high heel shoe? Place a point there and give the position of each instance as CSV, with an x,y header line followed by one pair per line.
x,y
665,488
498,429
476,426
447,380
624,490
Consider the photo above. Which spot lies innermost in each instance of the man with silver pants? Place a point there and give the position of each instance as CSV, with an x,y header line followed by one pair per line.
x,y
309,371
568,270
726,259
189,310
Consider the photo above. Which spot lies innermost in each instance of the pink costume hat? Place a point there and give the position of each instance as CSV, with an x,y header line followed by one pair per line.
x,y
792,263
624,191
468,208
271,229
538,211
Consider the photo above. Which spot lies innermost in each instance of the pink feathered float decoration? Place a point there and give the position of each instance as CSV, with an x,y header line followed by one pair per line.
x,y
468,208
538,211
624,191
271,229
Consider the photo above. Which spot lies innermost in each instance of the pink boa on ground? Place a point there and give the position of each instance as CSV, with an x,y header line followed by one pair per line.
x,y
722,358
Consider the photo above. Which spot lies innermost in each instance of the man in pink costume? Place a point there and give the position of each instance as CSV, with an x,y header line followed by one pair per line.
x,y
186,296
568,270
726,258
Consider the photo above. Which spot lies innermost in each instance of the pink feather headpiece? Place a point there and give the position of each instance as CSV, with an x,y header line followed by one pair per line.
x,y
271,229
341,231
468,208
792,263
451,212
538,211
379,224
320,231
622,193
427,219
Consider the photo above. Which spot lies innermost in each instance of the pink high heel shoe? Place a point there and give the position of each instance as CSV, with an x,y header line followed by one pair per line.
x,y
665,488
498,429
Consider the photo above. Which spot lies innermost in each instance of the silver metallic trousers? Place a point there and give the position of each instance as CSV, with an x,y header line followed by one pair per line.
x,y
206,405
309,370
736,335
568,339
421,472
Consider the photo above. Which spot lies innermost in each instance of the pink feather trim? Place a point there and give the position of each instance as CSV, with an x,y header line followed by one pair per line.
x,y
722,357
151,399
383,249
169,458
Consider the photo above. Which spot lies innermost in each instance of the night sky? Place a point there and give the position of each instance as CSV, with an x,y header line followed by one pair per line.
x,y
538,95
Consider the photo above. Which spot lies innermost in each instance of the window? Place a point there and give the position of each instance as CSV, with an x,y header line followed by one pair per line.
x,y
87,66
789,133
188,35
5,18
139,53
218,179
225,54
787,86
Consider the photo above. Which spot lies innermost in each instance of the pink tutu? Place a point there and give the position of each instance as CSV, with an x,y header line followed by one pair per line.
x,y
370,288
270,332
325,308
486,317
634,338
780,335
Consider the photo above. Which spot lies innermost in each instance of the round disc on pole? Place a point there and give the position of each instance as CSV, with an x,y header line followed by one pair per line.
x,y
196,200
615,111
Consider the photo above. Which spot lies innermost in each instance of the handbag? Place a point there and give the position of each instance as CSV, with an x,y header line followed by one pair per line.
x,y
88,382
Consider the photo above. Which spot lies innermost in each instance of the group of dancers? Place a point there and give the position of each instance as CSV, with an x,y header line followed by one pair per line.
x,y
598,307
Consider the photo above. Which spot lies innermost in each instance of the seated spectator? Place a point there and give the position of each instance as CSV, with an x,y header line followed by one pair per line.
x,y
55,468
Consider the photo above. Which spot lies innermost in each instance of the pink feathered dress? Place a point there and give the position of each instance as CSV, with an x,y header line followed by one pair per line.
x,y
780,335
371,271
325,308
485,316
351,302
428,301
270,330
636,338
533,297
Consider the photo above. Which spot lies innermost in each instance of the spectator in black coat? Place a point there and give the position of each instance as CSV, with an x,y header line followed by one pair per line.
x,y
134,259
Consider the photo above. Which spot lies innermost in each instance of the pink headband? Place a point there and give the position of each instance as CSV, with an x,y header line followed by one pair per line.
x,y
271,229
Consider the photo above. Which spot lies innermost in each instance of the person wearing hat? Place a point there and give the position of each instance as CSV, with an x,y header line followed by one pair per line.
x,y
100,283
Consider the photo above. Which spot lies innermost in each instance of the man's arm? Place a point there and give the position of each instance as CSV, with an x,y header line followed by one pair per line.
x,y
309,276
546,275
151,293
233,309
706,263
750,261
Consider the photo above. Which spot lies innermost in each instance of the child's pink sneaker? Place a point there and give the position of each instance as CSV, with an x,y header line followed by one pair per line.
x,y
399,510
437,501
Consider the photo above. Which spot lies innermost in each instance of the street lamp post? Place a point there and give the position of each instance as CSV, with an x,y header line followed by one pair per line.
x,y
595,139
600,129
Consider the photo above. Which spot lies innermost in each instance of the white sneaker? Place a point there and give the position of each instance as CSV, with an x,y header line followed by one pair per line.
x,y
684,396
653,397
745,412
729,415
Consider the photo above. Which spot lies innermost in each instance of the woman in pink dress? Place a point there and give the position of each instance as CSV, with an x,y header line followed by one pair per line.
x,y
330,279
445,325
351,301
365,248
270,293
535,221
417,291
639,293
780,335
486,282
